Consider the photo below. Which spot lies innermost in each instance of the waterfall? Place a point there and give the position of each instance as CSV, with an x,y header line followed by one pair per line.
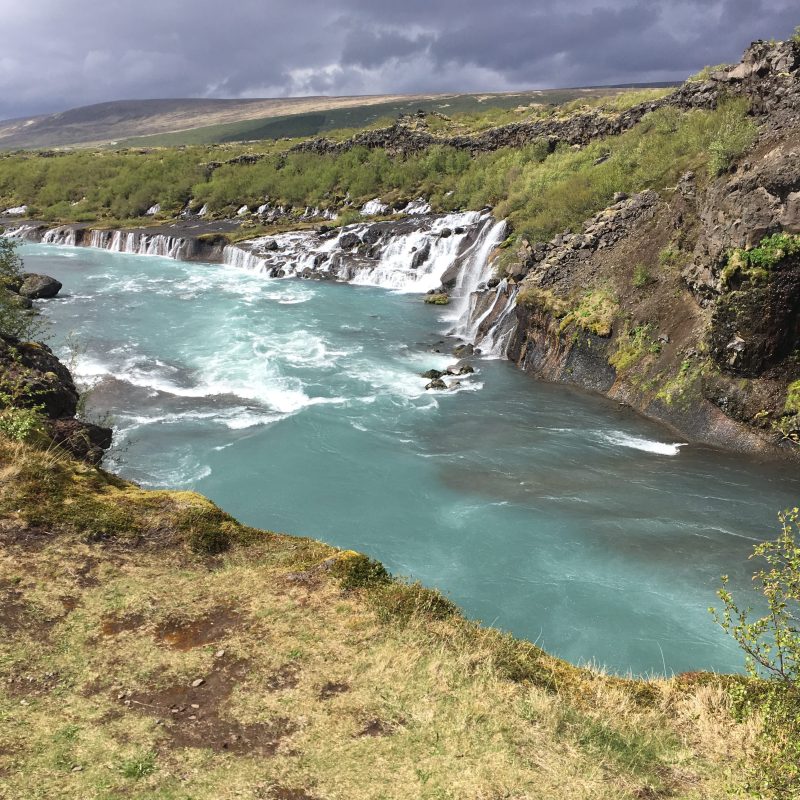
x,y
477,269
409,255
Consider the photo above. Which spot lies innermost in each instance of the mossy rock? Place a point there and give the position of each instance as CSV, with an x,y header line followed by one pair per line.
x,y
437,299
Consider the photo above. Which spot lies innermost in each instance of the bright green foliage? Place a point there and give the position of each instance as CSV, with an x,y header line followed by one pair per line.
x,y
735,136
754,264
771,644
633,347
540,193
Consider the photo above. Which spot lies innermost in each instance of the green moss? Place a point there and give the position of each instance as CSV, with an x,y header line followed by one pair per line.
x,y
595,313
437,299
632,347
684,384
536,298
792,405
754,265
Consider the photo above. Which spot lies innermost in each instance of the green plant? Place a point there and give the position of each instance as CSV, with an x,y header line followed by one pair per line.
x,y
641,276
20,424
796,35
735,135
753,265
792,404
771,644
357,571
139,766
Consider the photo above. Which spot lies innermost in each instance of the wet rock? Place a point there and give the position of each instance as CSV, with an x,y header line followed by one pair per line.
x,y
270,245
440,299
421,256
432,374
462,350
349,240
445,233
436,383
37,287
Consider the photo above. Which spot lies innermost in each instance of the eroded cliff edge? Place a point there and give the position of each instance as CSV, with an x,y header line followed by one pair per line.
x,y
684,303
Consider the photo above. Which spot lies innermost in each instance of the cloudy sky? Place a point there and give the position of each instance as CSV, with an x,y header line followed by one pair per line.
x,y
57,55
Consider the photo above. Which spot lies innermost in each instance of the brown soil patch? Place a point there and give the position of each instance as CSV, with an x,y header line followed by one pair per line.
x,y
186,634
31,538
283,678
377,727
27,685
191,715
284,793
114,625
331,689
83,574
16,614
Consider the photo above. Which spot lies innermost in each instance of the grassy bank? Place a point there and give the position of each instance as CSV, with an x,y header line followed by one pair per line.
x,y
157,648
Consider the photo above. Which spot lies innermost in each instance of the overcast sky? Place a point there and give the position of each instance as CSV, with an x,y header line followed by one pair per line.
x,y
56,54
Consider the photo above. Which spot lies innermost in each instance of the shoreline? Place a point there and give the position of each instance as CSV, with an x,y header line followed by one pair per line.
x,y
202,242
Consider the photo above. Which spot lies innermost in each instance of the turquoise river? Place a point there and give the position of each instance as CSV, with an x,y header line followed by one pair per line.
x,y
298,406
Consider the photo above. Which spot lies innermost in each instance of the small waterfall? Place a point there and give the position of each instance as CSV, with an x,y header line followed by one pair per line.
x,y
477,269
502,322
63,235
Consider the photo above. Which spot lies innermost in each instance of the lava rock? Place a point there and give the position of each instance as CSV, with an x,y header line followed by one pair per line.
x,y
436,383
37,287
461,350
432,374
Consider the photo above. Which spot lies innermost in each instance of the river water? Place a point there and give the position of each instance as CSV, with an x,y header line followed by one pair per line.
x,y
298,407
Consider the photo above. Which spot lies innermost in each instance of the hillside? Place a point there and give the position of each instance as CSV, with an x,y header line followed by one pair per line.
x,y
123,119
203,121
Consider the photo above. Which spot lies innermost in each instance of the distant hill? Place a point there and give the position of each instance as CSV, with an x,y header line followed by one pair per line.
x,y
122,119
205,121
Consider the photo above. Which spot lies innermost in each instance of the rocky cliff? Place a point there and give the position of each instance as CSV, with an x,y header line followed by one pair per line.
x,y
686,303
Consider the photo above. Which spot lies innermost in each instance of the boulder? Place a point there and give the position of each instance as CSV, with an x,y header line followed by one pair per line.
x,y
421,256
83,440
37,287
445,233
462,350
432,374
32,374
349,240
436,383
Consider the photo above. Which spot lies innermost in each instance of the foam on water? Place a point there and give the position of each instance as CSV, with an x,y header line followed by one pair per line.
x,y
646,445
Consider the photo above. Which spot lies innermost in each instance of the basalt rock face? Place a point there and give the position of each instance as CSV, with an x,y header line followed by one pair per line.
x,y
31,376
694,340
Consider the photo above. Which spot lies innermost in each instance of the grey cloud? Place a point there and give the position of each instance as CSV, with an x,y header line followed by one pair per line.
x,y
58,55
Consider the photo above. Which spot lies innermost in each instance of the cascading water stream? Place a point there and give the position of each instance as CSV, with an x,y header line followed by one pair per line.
x,y
477,269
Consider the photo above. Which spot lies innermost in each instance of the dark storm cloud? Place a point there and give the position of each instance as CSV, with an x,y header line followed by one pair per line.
x,y
57,55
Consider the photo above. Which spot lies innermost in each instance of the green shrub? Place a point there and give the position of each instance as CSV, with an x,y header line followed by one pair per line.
x,y
771,644
357,571
20,424
754,265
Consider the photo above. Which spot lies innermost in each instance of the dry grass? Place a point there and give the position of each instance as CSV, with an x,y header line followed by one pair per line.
x,y
382,691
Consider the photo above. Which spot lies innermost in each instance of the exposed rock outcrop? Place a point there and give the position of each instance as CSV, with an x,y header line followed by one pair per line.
x,y
31,376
